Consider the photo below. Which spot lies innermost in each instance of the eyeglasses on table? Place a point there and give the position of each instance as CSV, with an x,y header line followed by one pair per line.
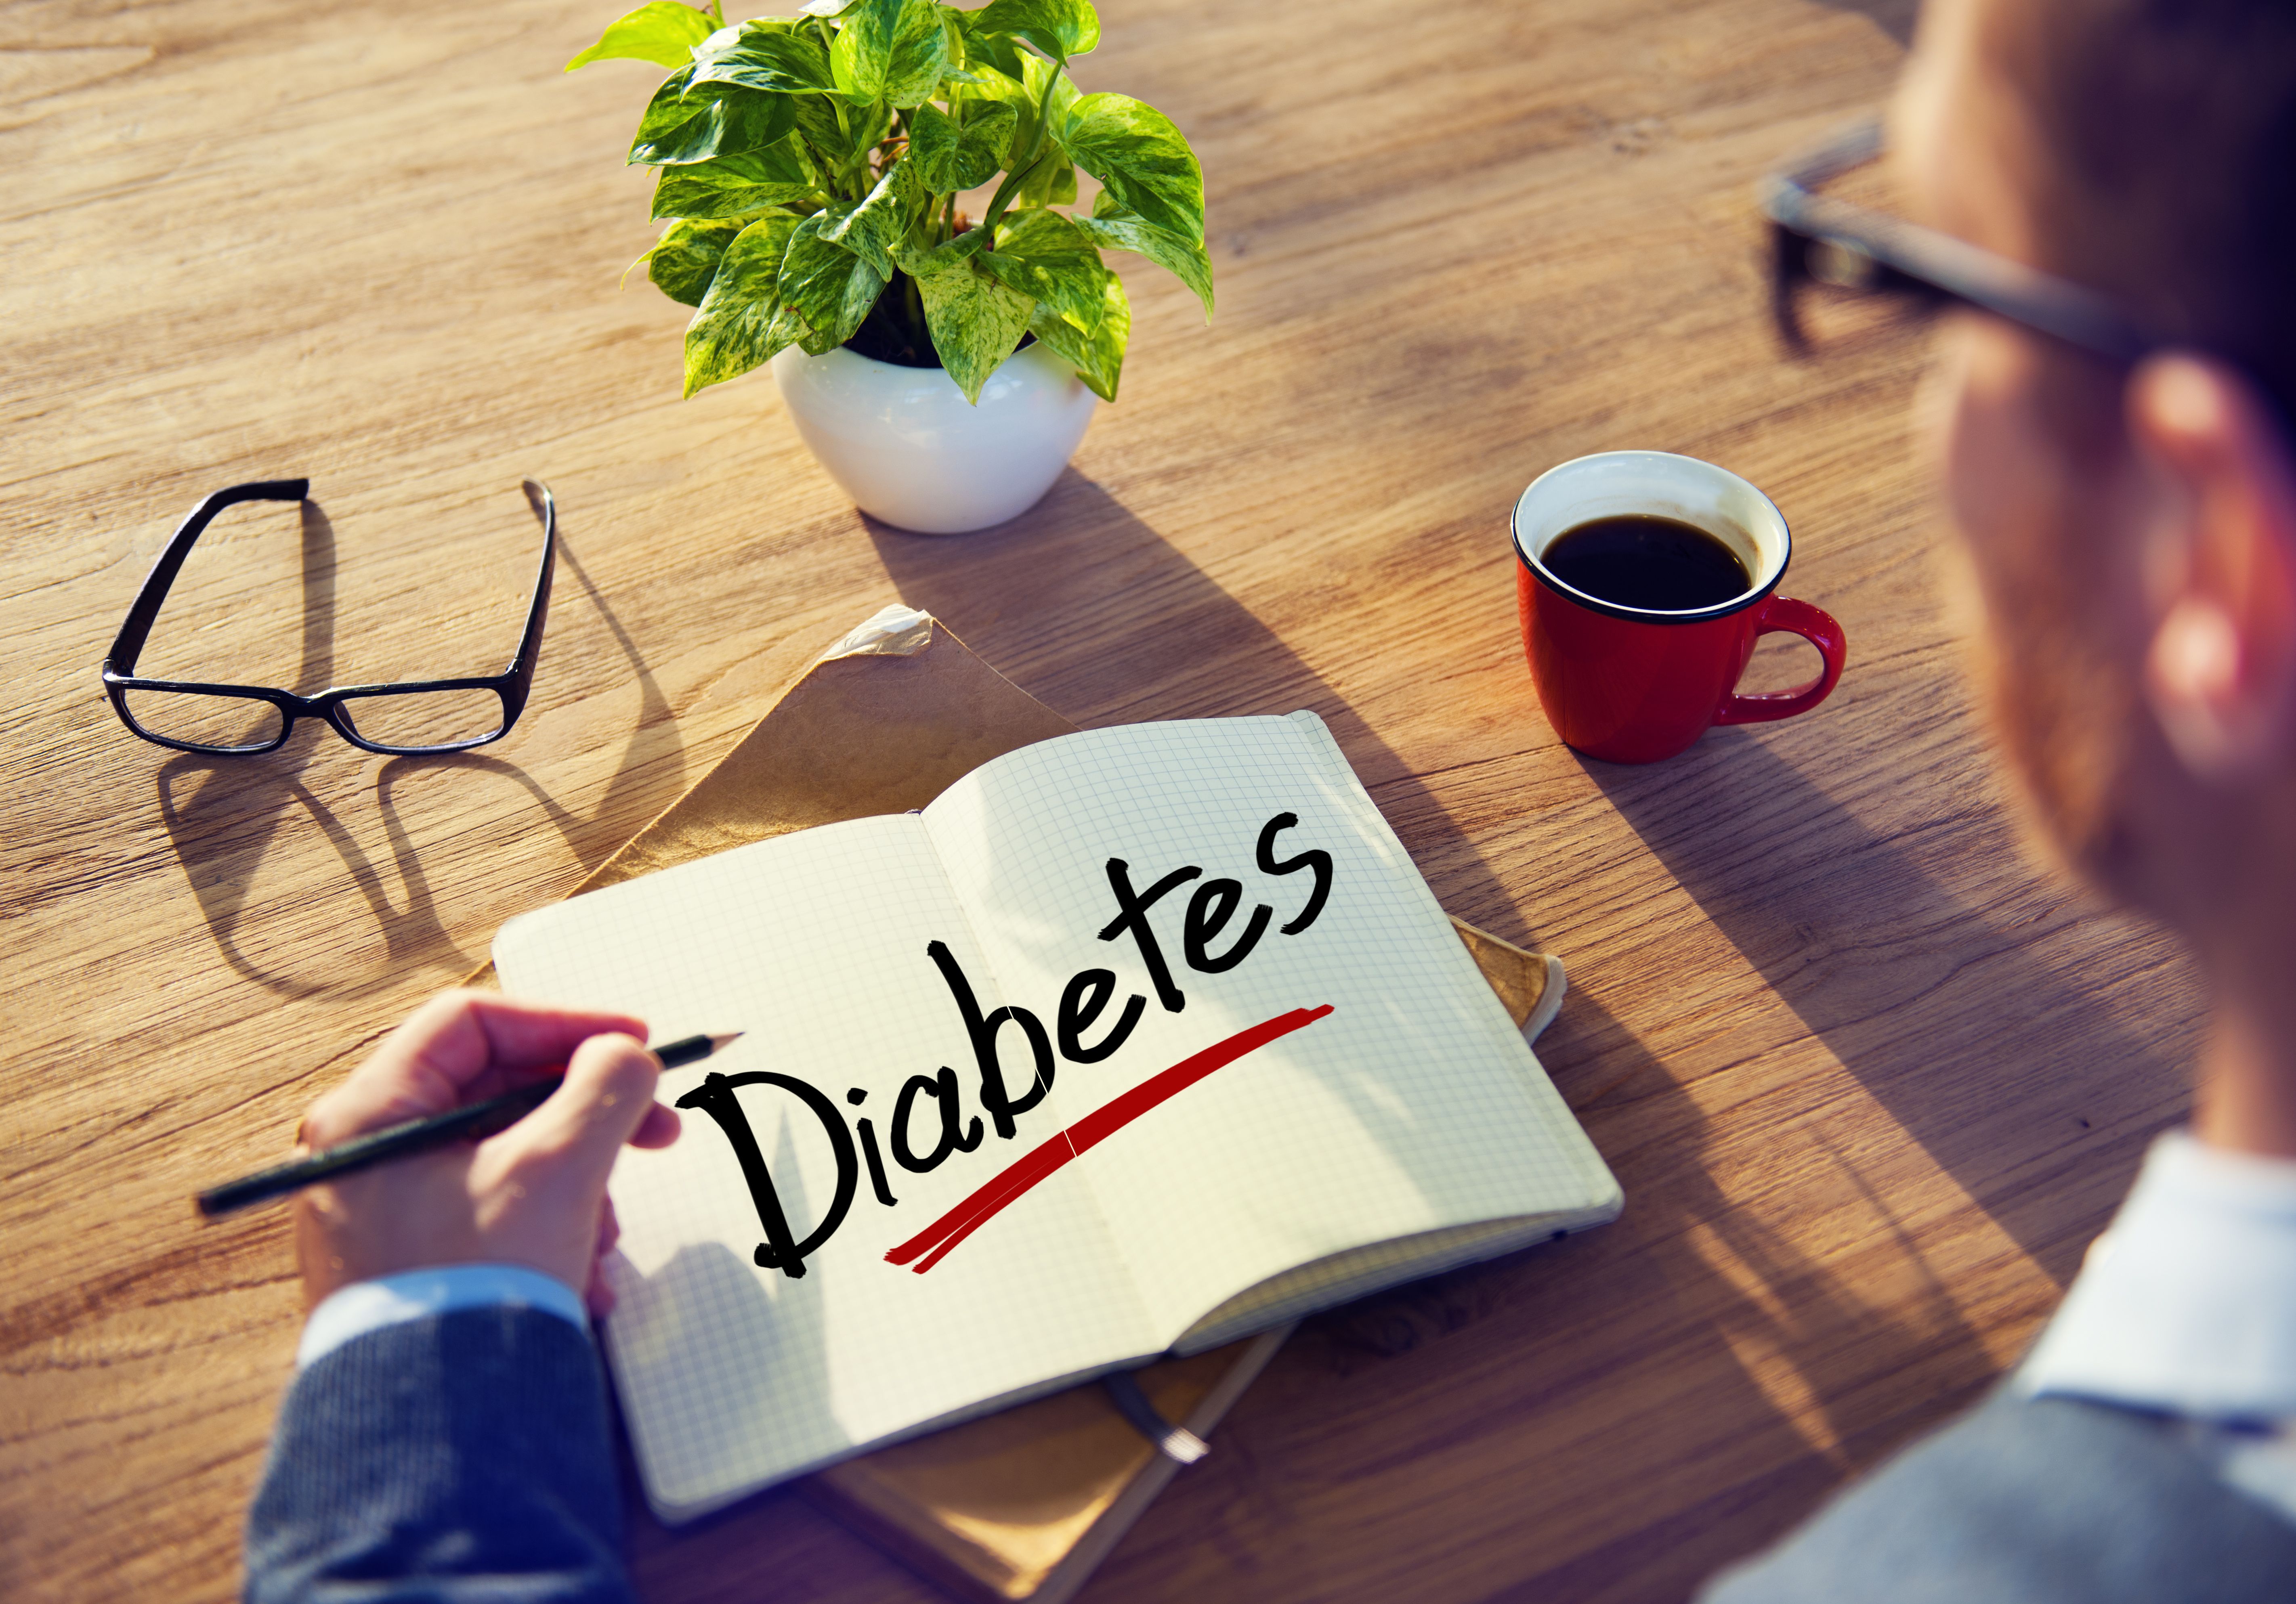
x,y
409,718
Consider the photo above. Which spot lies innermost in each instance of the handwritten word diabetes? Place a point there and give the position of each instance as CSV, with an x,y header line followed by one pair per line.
x,y
1081,1039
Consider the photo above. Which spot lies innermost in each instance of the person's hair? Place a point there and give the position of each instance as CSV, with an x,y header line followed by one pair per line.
x,y
2168,181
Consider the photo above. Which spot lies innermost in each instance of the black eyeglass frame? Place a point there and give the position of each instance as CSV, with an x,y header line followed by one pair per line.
x,y
511,686
1819,239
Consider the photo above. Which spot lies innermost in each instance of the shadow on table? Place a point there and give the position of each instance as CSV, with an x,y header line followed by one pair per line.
x,y
1102,619
1722,1389
225,813
1686,1360
1181,644
1866,946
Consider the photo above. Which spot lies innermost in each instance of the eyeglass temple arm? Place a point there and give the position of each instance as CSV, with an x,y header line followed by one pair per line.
x,y
1852,146
1925,259
128,645
520,672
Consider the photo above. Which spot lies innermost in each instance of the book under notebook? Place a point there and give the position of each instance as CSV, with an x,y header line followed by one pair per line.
x,y
1134,1041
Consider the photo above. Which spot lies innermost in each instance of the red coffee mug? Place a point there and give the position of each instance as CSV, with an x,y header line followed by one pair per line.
x,y
1632,684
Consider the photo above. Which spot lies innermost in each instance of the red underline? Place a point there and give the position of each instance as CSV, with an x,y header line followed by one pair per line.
x,y
1094,1128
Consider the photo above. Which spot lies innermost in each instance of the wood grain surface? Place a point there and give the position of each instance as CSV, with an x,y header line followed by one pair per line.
x,y
1869,1078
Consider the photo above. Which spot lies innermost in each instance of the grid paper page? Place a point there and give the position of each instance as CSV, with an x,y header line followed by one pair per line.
x,y
734,1376
1413,1107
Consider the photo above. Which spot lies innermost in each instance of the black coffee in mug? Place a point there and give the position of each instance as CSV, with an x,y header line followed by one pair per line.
x,y
1640,560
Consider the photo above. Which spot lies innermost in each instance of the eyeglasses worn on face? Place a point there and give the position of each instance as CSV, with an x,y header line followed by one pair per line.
x,y
410,718
1824,245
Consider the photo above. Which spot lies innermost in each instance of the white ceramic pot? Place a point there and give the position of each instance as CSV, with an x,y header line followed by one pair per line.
x,y
905,446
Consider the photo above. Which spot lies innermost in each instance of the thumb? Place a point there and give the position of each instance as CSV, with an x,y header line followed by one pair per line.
x,y
575,1133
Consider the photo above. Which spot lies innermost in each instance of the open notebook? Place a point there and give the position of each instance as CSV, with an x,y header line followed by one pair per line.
x,y
1032,1088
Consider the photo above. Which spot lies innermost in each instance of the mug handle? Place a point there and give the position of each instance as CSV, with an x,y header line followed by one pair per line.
x,y
1782,615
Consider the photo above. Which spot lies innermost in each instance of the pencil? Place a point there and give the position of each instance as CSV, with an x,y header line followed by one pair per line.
x,y
471,1121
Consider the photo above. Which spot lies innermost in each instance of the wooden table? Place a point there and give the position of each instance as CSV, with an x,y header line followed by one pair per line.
x,y
1869,1079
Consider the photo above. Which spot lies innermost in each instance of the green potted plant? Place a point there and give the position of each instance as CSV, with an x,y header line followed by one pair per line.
x,y
813,171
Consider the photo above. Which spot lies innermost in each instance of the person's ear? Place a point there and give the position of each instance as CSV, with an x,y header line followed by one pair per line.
x,y
2220,662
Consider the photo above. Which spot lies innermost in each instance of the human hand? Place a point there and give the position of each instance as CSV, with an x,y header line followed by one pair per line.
x,y
533,1194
